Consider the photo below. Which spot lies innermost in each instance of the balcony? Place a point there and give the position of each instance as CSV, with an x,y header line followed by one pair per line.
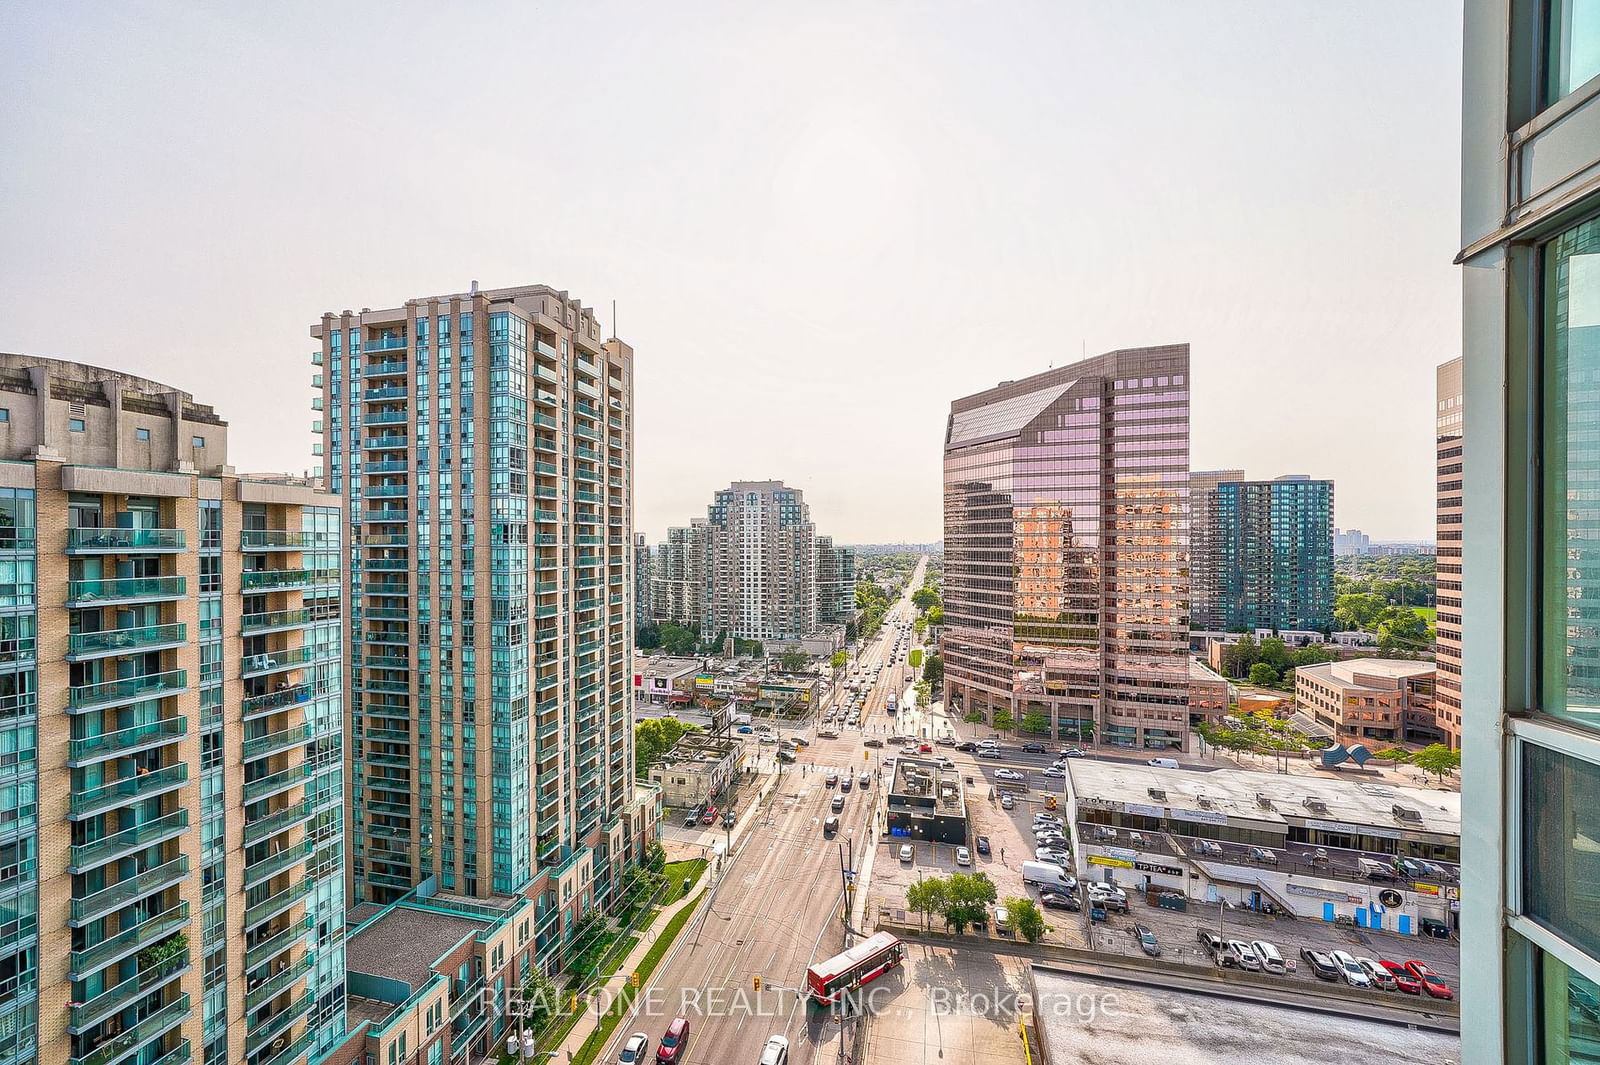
x,y
265,991
286,540
86,856
281,620
86,1015
105,591
284,579
86,645
280,821
386,441
153,1026
294,1051
126,741
141,885
277,661
125,942
273,905
124,541
145,785
275,742
126,690
262,1031
390,514
270,866
283,780
270,702
275,944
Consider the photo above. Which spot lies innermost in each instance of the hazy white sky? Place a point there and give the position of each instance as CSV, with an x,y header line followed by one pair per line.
x,y
821,221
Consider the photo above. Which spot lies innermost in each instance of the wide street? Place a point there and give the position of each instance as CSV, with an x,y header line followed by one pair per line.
x,y
774,909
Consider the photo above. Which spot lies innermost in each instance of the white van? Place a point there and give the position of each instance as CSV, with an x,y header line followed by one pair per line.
x,y
1048,875
1271,958
1163,763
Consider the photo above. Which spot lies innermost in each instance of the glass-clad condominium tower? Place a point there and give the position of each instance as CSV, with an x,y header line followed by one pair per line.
x,y
482,443
1530,532
1265,556
1066,583
171,798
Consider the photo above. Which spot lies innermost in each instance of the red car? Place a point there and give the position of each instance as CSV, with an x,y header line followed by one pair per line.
x,y
671,1047
1431,982
925,749
1402,979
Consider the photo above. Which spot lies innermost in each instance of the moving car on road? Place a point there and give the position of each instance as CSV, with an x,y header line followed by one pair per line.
x,y
776,1052
1033,748
671,1048
1008,774
634,1050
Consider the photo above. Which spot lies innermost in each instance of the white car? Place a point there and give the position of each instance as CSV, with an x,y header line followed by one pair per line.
x,y
1245,954
906,852
1007,774
776,1052
634,1050
1055,771
963,856
1350,969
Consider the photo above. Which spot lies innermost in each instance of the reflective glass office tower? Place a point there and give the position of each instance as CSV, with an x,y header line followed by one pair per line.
x,y
481,443
1530,521
1066,582
171,742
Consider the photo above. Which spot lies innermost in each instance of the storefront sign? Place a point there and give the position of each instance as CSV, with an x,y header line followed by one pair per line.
x,y
1152,867
704,681
1106,859
1426,889
1090,803
1143,810
1199,817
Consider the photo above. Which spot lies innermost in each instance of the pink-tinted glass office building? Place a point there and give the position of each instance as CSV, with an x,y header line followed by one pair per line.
x,y
1066,551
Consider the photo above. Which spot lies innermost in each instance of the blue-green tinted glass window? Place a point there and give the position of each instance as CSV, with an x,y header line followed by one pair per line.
x,y
1573,55
1560,861
1571,535
1569,1009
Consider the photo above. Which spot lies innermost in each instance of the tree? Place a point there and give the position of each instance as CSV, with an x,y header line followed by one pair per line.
x,y
935,615
1437,759
924,693
1026,918
925,598
967,898
647,637
839,659
920,625
1238,657
1003,721
1358,610
1393,754
1036,722
678,640
1263,675
927,897
793,661
933,669
914,659
1401,628
654,737
974,717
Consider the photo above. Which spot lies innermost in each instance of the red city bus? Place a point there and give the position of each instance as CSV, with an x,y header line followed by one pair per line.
x,y
861,964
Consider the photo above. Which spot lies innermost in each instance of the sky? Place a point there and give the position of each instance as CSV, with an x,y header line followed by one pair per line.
x,y
821,222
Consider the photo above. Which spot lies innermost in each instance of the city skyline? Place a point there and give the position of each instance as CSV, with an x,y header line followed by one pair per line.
x,y
869,291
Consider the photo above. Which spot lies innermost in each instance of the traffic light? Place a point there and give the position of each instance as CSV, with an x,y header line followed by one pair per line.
x,y
756,981
633,979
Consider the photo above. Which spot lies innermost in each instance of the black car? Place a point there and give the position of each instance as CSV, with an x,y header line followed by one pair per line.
x,y
1321,964
968,746
1033,748
982,843
1056,900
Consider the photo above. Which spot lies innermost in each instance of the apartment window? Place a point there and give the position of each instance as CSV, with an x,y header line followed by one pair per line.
x,y
197,441
141,434
5,414
1560,828
1568,1005
1570,652
1572,56
75,424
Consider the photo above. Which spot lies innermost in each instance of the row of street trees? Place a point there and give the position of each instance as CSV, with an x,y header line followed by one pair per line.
x,y
962,900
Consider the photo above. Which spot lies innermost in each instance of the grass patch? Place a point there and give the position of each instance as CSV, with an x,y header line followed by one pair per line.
x,y
1429,614
647,966
675,872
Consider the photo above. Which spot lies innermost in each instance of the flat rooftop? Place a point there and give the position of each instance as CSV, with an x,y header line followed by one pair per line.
x,y
1238,794
945,783
1116,1023
404,943
1199,671
1363,672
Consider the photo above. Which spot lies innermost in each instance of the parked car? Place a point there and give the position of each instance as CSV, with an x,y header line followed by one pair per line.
x,y
946,741
1248,958
1033,748
1060,900
1206,848
1147,940
1209,940
907,853
1381,978
963,856
1431,981
1053,855
989,752
1007,802
1045,815
634,1050
1403,980
872,742
1109,897
1350,970
966,745
692,818
982,843
1320,964
776,1052
1262,855
1008,774
671,1048
1271,958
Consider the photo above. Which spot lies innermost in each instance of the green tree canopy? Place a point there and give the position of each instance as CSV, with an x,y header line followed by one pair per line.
x,y
974,717
1035,722
839,659
1004,721
793,661
933,669
967,898
678,640
647,637
935,615
1026,918
654,737
1437,759
927,897
1263,675
925,598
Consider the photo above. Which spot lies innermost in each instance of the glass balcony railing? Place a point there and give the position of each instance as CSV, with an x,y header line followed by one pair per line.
x,y
273,743
275,944
86,961
271,824
294,1051
97,591
86,1014
271,866
286,540
267,702
275,620
127,740
273,905
125,641
278,661
272,783
142,785
119,1046
263,1031
178,1055
261,993
119,541
127,689
85,856
135,887
389,343
384,369
268,579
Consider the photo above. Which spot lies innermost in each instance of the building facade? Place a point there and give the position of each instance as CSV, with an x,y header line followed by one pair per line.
x,y
489,579
755,567
1375,699
643,574
1447,555
1265,557
1205,590
1530,530
171,744
1066,549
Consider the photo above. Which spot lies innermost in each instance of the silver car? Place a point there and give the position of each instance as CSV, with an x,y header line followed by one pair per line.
x,y
1350,969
